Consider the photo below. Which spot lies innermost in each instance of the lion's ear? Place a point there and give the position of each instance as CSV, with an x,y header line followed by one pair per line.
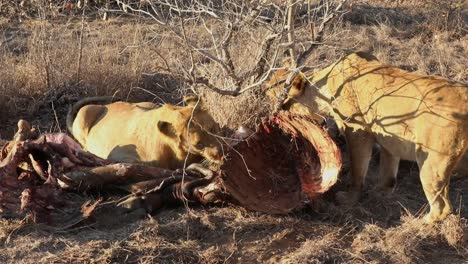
x,y
298,86
191,100
167,129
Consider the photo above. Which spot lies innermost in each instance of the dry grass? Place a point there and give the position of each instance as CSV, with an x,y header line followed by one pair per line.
x,y
38,67
410,240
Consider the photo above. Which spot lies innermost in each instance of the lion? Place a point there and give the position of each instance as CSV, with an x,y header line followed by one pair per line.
x,y
411,116
167,136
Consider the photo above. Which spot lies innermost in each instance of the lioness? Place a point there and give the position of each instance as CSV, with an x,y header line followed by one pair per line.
x,y
141,132
411,116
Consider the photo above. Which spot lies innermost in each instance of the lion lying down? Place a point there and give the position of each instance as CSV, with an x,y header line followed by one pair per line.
x,y
411,116
167,137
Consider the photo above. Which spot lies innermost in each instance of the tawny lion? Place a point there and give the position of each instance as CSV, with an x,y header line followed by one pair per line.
x,y
411,116
167,136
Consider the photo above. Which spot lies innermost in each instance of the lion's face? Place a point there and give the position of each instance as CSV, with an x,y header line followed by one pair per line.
x,y
302,99
201,139
201,142
195,134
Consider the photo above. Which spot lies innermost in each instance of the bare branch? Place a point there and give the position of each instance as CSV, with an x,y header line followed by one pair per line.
x,y
197,8
261,64
184,37
328,17
80,47
290,25
225,51
206,82
213,39
319,35
236,16
126,7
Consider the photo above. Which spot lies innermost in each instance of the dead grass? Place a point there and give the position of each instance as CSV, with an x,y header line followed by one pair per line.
x,y
121,55
233,235
410,241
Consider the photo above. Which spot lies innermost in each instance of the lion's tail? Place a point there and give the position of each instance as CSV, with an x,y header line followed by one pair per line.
x,y
78,105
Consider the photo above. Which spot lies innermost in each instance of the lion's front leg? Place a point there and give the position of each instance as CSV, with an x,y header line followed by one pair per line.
x,y
360,152
388,169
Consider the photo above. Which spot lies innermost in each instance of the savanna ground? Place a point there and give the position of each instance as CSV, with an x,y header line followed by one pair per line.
x,y
50,58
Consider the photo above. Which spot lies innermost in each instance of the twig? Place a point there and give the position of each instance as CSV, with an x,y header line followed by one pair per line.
x,y
23,223
166,13
319,35
189,123
80,47
209,56
43,47
7,40
290,25
56,118
226,55
126,6
302,58
192,59
147,91
262,61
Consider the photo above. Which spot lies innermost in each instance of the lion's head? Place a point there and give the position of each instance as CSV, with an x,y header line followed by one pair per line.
x,y
303,98
193,130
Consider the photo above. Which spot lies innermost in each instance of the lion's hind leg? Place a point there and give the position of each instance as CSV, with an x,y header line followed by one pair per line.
x,y
435,171
85,119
